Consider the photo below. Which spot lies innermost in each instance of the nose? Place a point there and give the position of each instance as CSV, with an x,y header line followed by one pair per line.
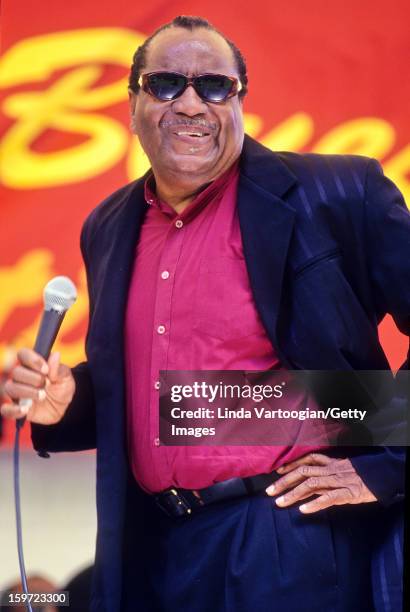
x,y
189,103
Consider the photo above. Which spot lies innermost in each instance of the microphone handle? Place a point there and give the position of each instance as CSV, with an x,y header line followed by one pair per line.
x,y
47,333
48,330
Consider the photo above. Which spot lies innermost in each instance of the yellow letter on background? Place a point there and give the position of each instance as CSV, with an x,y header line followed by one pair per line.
x,y
66,105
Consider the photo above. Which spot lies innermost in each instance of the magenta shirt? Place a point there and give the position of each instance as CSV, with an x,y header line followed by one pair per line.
x,y
190,307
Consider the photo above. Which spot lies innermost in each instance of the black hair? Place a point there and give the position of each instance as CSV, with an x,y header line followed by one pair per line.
x,y
188,23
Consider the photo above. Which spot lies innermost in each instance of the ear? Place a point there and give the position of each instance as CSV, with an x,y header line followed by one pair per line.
x,y
132,100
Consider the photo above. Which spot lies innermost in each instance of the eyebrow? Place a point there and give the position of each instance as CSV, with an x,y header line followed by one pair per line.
x,y
169,66
166,67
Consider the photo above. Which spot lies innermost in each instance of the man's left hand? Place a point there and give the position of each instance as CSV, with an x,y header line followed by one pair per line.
x,y
335,481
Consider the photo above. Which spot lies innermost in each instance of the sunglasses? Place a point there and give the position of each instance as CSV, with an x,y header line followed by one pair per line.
x,y
168,86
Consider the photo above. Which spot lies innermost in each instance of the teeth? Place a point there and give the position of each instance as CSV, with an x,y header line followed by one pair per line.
x,y
190,134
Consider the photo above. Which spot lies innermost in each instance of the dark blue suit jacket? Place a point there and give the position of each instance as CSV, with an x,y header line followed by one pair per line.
x,y
327,245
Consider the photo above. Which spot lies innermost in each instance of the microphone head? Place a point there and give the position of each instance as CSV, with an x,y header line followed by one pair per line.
x,y
59,294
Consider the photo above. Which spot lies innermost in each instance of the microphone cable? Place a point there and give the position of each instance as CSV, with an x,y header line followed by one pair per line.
x,y
17,503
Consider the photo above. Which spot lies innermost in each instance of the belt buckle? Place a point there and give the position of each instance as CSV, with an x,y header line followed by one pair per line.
x,y
173,504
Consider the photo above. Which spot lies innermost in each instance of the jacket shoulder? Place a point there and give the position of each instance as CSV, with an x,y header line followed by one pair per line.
x,y
325,163
341,180
105,213
321,176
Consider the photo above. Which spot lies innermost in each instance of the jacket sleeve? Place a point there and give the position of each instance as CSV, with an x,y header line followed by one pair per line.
x,y
77,429
387,243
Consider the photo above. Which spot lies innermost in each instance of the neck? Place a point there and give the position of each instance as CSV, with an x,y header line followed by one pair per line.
x,y
179,191
178,196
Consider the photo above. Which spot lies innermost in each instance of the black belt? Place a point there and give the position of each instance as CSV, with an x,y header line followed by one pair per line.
x,y
182,502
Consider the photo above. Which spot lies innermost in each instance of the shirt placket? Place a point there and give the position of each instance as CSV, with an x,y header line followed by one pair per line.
x,y
162,330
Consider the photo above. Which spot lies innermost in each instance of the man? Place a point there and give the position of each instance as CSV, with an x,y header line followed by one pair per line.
x,y
228,256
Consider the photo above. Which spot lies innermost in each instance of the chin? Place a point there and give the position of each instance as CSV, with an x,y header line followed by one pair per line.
x,y
192,164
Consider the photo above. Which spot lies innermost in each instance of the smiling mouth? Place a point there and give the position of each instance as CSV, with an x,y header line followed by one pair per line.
x,y
198,131
192,136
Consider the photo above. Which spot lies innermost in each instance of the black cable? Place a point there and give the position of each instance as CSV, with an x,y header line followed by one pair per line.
x,y
16,460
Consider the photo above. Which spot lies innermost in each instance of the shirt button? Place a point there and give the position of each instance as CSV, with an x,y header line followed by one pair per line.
x,y
157,384
165,274
156,442
179,223
161,329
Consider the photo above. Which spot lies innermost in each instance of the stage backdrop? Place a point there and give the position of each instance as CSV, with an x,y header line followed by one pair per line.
x,y
329,77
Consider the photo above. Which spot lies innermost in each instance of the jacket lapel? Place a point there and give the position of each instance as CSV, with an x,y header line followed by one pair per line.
x,y
266,222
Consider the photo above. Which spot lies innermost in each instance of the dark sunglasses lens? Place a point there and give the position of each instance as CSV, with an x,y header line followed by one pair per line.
x,y
166,85
213,88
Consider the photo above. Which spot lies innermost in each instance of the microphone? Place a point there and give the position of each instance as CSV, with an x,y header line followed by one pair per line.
x,y
59,295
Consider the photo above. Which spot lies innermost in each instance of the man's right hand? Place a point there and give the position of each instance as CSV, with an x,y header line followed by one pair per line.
x,y
48,385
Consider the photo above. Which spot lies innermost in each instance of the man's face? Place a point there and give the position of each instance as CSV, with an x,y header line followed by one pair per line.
x,y
158,124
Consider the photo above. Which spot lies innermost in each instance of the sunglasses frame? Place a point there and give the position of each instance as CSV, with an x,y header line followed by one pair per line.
x,y
236,85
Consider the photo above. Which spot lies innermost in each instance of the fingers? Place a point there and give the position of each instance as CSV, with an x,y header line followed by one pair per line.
x,y
18,391
53,365
337,497
309,459
26,384
40,391
57,371
32,360
22,397
23,375
295,477
14,411
312,486
334,480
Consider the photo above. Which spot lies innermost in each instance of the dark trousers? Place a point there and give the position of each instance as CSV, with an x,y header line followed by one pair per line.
x,y
248,555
